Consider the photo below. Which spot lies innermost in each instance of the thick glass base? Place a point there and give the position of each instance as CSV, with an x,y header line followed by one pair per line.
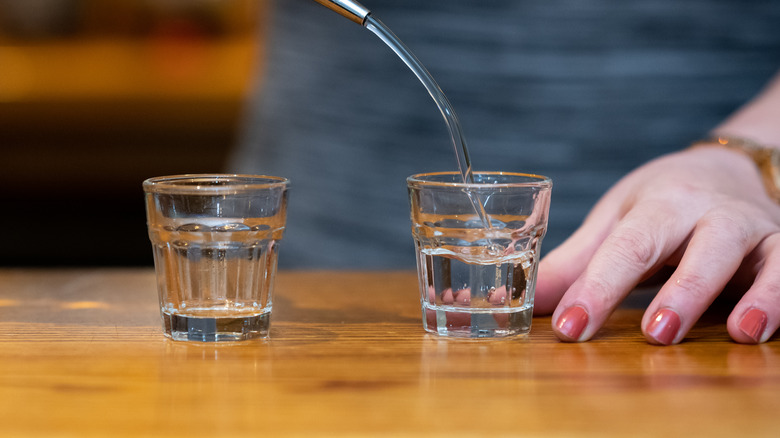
x,y
477,323
219,329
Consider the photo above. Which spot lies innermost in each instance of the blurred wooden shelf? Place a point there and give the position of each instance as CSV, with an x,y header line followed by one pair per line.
x,y
162,69
83,122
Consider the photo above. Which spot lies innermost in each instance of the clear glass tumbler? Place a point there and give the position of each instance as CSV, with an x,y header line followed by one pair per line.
x,y
215,240
478,249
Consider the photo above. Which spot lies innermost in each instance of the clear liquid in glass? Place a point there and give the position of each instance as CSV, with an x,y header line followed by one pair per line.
x,y
217,281
471,292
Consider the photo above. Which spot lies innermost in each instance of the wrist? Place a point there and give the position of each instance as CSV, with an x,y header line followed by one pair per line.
x,y
766,158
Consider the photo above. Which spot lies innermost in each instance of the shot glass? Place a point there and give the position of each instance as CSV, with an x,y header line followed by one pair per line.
x,y
477,248
215,240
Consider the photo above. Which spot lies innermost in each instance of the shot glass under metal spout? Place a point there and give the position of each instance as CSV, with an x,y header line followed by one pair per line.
x,y
475,281
347,8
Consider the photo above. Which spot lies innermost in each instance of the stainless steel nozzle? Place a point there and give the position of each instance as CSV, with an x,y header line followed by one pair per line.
x,y
348,8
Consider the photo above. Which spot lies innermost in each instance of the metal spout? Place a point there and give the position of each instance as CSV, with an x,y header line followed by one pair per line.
x,y
347,8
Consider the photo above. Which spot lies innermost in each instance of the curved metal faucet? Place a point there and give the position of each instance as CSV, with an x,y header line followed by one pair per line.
x,y
347,8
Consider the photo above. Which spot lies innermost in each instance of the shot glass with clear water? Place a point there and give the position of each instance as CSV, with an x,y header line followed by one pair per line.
x,y
477,249
215,240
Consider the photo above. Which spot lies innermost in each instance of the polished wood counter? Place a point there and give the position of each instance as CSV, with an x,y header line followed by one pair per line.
x,y
82,355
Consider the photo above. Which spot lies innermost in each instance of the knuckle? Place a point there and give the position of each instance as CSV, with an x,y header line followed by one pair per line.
x,y
693,285
738,230
635,247
596,285
772,290
600,292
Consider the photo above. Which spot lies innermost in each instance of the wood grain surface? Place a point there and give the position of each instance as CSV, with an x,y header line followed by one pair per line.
x,y
82,354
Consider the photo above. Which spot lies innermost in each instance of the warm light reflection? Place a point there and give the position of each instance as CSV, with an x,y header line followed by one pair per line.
x,y
9,303
84,69
77,305
757,360
18,75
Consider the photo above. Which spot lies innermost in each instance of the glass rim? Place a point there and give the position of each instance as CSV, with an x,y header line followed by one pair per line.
x,y
213,183
531,180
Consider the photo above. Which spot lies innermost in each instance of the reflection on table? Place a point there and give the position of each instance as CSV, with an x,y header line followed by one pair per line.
x,y
81,353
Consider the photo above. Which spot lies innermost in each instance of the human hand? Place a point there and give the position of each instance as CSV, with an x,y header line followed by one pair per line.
x,y
703,210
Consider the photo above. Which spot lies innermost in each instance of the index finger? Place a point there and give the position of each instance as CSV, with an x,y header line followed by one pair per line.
x,y
648,234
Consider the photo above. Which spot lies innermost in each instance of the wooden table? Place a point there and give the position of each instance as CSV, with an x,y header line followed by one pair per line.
x,y
82,355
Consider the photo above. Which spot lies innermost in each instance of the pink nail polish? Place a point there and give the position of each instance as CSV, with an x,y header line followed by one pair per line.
x,y
572,322
753,324
664,327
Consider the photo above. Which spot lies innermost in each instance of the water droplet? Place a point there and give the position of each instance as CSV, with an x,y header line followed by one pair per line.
x,y
495,249
231,227
191,227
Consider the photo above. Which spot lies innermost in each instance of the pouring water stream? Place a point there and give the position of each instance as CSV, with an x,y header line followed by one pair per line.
x,y
359,14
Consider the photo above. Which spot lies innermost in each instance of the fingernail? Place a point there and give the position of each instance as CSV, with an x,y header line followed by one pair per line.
x,y
753,324
572,322
664,327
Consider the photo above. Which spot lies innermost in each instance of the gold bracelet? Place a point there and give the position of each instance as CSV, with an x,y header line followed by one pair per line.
x,y
767,158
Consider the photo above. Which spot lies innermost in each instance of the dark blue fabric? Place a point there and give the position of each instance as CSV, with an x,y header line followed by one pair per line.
x,y
582,91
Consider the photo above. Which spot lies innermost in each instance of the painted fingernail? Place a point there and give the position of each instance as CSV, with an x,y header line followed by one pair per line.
x,y
572,322
753,324
664,327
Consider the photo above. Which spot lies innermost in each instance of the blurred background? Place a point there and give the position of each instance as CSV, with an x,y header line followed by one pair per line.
x,y
97,96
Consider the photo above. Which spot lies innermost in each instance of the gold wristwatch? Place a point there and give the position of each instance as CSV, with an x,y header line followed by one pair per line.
x,y
767,159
